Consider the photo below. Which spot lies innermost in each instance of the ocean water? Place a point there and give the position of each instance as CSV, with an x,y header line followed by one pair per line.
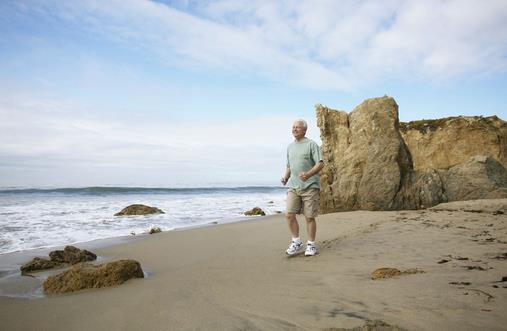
x,y
36,218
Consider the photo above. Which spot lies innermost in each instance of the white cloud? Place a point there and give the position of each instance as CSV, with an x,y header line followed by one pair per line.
x,y
319,44
42,143
444,39
322,44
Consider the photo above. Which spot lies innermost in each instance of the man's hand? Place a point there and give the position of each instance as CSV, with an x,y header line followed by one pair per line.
x,y
313,171
283,180
304,176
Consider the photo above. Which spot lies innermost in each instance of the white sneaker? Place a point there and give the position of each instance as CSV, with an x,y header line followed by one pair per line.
x,y
311,250
294,247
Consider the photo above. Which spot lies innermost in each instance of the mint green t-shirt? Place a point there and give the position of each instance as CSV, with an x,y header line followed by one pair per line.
x,y
301,157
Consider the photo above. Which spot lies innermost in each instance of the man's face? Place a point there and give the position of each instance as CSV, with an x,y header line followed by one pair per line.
x,y
298,130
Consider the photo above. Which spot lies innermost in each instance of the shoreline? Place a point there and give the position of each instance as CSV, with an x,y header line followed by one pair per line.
x,y
75,215
111,241
14,285
236,276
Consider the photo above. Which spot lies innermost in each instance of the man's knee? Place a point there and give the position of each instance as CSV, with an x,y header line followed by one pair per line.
x,y
310,219
290,216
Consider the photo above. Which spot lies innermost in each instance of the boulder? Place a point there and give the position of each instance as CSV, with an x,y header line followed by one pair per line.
x,y
86,275
368,165
138,209
481,177
255,211
69,254
155,230
72,255
37,264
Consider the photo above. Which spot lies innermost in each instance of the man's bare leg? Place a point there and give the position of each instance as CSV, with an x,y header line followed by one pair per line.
x,y
311,228
293,224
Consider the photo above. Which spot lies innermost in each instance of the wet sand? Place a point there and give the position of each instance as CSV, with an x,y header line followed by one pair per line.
x,y
237,277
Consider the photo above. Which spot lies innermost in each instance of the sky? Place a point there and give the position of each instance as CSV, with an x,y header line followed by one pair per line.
x,y
204,93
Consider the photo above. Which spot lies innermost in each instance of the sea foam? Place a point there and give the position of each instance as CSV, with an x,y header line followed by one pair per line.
x,y
36,218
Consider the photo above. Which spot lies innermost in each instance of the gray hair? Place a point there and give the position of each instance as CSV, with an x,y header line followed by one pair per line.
x,y
302,122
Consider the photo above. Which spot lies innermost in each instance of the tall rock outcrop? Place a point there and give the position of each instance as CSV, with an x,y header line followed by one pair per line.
x,y
365,157
369,166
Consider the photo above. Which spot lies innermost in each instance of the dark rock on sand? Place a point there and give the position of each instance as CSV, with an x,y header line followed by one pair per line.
x,y
375,325
155,230
37,264
85,275
392,272
255,211
72,255
138,209
69,254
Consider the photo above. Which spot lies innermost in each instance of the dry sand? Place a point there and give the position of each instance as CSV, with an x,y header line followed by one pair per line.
x,y
237,277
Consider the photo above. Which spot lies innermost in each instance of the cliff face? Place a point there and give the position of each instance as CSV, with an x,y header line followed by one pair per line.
x,y
446,142
369,166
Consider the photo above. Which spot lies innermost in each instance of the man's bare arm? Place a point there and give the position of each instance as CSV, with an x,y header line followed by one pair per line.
x,y
312,172
285,177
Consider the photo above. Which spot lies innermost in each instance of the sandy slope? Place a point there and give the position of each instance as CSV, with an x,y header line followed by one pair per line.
x,y
236,276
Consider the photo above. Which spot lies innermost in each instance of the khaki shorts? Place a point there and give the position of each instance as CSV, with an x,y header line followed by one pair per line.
x,y
304,202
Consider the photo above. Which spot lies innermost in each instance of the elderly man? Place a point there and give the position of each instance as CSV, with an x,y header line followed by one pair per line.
x,y
304,161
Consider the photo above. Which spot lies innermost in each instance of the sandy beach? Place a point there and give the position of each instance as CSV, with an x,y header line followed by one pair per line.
x,y
237,277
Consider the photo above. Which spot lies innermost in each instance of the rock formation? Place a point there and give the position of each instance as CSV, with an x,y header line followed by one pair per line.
x,y
69,255
255,212
72,255
366,161
446,142
85,275
37,264
481,177
155,229
138,209
369,166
